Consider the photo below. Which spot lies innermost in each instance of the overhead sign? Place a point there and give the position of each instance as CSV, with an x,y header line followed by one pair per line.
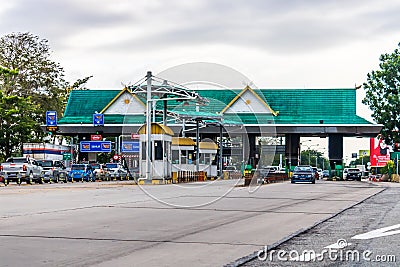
x,y
95,146
130,146
51,118
98,119
96,137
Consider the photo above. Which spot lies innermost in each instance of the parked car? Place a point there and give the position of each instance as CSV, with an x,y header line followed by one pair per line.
x,y
116,170
21,169
316,173
53,170
98,170
303,173
230,168
352,174
81,172
320,174
325,173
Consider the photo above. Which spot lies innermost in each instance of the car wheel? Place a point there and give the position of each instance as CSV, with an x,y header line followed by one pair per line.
x,y
313,182
292,182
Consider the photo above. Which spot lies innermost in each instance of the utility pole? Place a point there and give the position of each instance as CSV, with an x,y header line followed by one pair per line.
x,y
148,127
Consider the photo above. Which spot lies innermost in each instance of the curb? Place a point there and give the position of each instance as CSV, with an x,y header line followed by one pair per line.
x,y
254,255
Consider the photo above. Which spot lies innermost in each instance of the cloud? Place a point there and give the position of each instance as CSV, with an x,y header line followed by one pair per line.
x,y
273,26
57,20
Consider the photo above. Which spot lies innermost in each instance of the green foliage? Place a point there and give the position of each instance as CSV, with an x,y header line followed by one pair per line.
x,y
389,168
5,72
360,161
38,76
30,84
308,157
17,124
382,95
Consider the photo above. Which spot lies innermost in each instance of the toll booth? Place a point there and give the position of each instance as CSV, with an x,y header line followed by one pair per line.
x,y
208,152
160,156
184,156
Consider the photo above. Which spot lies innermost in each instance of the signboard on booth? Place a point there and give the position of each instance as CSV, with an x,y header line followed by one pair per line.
x,y
51,118
98,119
379,152
95,146
130,147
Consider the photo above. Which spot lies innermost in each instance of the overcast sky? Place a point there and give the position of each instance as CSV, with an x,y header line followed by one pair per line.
x,y
276,43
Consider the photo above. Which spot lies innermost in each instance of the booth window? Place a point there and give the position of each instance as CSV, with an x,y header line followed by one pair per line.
x,y
158,150
175,156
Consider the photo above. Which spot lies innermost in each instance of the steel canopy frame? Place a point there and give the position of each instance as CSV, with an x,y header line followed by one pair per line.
x,y
165,88
165,91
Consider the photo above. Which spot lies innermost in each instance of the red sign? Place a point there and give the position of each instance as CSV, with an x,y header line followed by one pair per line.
x,y
379,152
115,157
135,136
96,137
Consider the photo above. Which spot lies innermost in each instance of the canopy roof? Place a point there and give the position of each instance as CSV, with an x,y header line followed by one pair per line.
x,y
270,106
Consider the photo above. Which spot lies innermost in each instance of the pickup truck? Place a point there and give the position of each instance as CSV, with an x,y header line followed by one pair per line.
x,y
21,169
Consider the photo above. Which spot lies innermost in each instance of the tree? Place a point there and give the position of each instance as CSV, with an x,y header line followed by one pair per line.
x,y
17,124
38,76
382,96
312,156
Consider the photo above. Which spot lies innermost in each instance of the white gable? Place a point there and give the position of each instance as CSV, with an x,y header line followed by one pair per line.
x,y
248,103
126,104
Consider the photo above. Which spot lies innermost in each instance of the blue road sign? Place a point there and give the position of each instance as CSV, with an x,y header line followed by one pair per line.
x,y
130,146
98,119
95,146
51,118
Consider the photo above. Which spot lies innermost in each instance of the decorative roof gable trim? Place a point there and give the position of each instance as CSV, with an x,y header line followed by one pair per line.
x,y
118,96
248,88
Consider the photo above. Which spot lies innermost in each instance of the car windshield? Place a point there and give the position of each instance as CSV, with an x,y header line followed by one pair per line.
x,y
302,169
46,163
78,167
111,165
354,170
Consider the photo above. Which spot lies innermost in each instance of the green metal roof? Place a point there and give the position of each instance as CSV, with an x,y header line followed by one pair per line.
x,y
295,106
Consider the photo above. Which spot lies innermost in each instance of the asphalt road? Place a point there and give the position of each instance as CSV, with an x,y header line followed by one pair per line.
x,y
119,224
364,235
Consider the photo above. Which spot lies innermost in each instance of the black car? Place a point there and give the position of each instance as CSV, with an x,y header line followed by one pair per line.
x,y
303,174
352,174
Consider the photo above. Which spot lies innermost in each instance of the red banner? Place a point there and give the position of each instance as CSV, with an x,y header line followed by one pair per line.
x,y
380,152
